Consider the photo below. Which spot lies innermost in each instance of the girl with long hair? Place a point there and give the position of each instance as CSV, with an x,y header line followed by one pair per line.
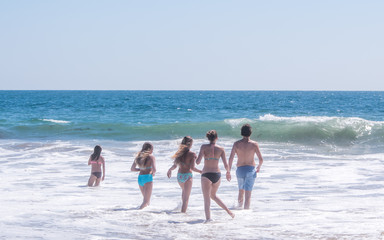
x,y
98,164
185,160
145,164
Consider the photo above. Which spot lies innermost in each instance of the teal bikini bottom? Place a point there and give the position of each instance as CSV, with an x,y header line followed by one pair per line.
x,y
145,178
183,177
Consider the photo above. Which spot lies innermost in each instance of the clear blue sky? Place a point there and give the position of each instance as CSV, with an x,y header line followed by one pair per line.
x,y
199,45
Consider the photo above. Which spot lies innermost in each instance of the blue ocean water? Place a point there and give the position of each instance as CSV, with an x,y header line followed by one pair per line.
x,y
303,117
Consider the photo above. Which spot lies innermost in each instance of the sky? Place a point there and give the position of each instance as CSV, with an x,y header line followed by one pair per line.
x,y
192,45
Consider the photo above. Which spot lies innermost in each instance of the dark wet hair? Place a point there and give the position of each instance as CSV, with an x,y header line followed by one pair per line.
x,y
141,158
246,130
211,135
96,153
183,149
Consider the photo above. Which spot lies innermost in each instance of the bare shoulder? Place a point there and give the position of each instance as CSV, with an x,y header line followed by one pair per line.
x,y
236,144
102,159
254,143
204,146
192,154
220,147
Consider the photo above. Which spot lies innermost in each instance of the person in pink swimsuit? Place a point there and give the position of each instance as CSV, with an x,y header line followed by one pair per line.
x,y
98,167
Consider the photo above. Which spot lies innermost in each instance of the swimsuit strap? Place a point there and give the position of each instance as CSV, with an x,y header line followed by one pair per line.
x,y
213,153
143,168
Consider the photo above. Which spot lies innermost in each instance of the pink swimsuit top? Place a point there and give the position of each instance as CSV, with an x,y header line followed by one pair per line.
x,y
96,162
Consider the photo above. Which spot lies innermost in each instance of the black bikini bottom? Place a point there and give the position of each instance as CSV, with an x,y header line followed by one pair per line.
x,y
97,174
212,176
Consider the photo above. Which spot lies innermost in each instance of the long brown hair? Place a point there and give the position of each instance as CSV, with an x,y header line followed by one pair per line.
x,y
186,143
96,153
141,157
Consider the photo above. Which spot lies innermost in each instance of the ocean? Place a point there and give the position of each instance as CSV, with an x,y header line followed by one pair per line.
x,y
322,177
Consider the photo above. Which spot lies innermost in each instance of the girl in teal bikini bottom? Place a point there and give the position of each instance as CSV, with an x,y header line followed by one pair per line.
x,y
185,160
145,178
147,168
183,177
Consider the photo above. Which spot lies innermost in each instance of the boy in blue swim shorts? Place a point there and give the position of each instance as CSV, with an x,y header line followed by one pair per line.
x,y
246,172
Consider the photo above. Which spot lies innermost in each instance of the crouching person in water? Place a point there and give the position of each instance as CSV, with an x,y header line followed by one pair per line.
x,y
146,164
97,162
185,159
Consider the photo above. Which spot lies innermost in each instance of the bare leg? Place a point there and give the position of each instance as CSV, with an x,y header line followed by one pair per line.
x,y
91,180
215,187
141,190
241,198
186,192
147,190
97,182
247,199
206,186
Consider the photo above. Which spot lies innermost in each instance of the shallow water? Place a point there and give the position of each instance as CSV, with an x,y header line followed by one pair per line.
x,y
300,193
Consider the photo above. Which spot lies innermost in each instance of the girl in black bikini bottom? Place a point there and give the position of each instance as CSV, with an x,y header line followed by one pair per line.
x,y
214,177
97,174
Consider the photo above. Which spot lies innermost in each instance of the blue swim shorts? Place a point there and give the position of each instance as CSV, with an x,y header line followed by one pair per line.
x,y
145,178
246,176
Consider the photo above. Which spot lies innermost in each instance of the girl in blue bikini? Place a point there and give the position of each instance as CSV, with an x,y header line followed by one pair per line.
x,y
185,159
211,176
97,162
147,168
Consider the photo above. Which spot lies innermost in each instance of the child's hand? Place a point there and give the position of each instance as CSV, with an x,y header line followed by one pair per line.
x,y
169,173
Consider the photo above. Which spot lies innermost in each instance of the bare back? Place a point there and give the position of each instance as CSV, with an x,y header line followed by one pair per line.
x,y
96,164
212,155
246,151
188,162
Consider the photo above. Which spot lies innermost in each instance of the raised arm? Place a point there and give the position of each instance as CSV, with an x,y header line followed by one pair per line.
x,y
258,153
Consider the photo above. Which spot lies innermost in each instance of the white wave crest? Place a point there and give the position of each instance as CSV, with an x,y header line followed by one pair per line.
x,y
55,121
237,122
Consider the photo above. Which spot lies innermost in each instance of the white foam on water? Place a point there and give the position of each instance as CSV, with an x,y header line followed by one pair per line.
x,y
299,194
55,121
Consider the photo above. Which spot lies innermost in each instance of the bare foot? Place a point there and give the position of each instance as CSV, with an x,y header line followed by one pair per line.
x,y
143,205
208,221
